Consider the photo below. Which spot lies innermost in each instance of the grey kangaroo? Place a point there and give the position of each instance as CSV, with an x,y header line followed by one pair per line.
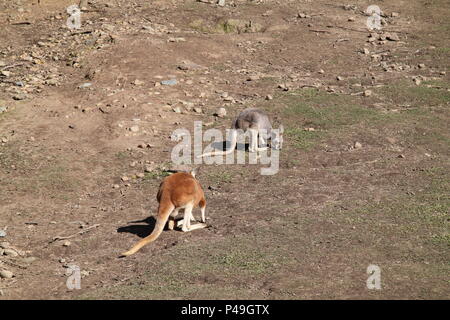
x,y
256,122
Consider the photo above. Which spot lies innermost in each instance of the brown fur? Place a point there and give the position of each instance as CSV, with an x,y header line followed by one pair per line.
x,y
175,192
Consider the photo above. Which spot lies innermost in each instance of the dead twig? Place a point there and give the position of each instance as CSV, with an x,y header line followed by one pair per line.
x,y
74,235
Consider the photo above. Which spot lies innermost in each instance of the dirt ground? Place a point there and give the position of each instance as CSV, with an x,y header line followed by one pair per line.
x,y
85,128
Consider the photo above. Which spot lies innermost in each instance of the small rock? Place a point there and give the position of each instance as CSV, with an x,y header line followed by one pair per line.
x,y
365,51
116,186
358,145
401,156
10,252
140,175
20,96
221,3
394,14
222,112
6,73
4,245
339,78
367,93
2,233
85,85
134,128
170,82
351,19
421,65
392,37
176,110
321,71
269,97
3,109
198,110
417,81
66,244
125,178
6,274
138,82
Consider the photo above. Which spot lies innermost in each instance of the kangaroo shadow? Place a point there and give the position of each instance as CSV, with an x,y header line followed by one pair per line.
x,y
141,230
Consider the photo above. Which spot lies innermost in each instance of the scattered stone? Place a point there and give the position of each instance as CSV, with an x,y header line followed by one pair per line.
x,y
351,19
222,112
321,71
394,14
140,175
365,51
66,243
85,85
134,128
421,65
6,73
339,78
176,109
6,274
401,156
3,109
10,252
20,96
221,3
2,233
125,178
269,97
198,110
170,82
358,145
392,37
417,81
138,82
116,186
309,129
367,93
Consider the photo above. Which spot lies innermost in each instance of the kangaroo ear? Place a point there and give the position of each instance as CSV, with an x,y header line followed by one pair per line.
x,y
281,128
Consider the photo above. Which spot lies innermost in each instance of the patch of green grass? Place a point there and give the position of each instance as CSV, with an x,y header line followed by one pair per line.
x,y
302,139
220,177
403,93
121,155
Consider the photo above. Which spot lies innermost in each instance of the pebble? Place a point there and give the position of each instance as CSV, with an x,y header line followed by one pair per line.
x,y
392,37
116,186
6,73
3,109
134,128
140,175
85,85
10,252
66,244
339,78
170,82
198,110
125,178
222,112
358,145
20,96
269,97
176,110
2,233
6,274
421,65
367,93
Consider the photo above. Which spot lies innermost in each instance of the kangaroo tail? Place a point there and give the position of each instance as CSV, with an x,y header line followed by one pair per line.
x,y
230,150
163,215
